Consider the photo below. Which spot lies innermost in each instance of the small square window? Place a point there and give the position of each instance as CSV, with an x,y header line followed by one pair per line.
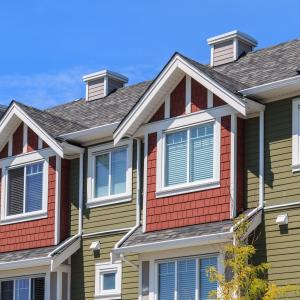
x,y
108,281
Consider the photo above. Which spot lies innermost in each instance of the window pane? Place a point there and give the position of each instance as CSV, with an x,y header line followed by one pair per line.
x,y
109,281
7,290
205,285
22,289
34,187
176,158
166,281
102,175
37,288
186,280
118,171
15,191
201,153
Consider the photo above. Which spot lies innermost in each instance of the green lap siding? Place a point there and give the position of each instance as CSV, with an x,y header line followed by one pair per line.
x,y
97,220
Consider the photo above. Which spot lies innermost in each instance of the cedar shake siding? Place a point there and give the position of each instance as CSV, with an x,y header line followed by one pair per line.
x,y
32,140
17,143
177,100
191,208
199,96
217,101
32,234
159,115
4,152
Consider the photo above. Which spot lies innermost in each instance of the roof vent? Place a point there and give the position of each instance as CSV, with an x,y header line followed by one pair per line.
x,y
229,47
100,84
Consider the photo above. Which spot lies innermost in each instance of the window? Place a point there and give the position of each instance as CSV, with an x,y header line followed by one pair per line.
x,y
108,280
184,277
191,159
23,289
25,189
109,174
296,135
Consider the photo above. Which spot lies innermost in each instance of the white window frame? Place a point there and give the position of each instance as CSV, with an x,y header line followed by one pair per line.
x,y
107,267
296,135
198,258
164,191
22,161
93,152
30,277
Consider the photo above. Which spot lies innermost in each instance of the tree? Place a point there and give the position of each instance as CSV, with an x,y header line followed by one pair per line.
x,y
244,280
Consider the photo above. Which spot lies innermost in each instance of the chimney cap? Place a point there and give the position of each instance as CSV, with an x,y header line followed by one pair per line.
x,y
105,73
231,35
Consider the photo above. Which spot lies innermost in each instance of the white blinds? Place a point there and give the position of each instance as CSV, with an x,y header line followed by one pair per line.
x,y
182,278
189,151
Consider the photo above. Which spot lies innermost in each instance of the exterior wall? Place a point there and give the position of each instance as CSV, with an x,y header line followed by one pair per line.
x,y
95,89
198,96
17,141
223,53
95,221
32,141
113,84
32,234
177,100
159,115
191,208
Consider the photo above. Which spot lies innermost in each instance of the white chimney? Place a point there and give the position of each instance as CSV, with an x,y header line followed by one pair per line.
x,y
229,47
100,84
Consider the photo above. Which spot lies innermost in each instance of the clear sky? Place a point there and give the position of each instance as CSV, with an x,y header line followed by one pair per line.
x,y
48,45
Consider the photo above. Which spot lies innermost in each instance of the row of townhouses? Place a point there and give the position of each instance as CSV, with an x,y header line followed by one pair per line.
x,y
131,192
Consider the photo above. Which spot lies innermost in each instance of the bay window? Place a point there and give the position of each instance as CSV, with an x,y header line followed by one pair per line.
x,y
190,158
23,289
185,279
109,170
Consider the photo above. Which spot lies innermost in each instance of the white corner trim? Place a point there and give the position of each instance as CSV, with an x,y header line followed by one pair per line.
x,y
145,188
233,165
295,135
57,200
188,94
10,142
110,199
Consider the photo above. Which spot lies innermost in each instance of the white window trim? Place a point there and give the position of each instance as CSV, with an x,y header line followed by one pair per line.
x,y
161,190
106,267
19,161
296,136
108,200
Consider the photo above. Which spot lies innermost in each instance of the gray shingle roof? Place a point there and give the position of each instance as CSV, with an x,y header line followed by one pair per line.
x,y
102,111
25,254
265,65
138,237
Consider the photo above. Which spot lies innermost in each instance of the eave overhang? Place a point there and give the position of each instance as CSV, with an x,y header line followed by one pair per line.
x,y
175,69
274,90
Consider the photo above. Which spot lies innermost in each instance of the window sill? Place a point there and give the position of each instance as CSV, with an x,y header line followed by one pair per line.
x,y
24,218
172,191
114,296
296,168
108,201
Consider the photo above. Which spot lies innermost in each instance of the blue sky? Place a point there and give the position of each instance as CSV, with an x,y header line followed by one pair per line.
x,y
48,45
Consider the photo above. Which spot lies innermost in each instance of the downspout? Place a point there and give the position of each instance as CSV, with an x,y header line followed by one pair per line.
x,y
138,208
80,196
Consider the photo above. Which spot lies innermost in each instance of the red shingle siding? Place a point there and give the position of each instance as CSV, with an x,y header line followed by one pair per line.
x,y
45,145
32,140
199,96
4,152
217,101
65,201
159,115
177,100
240,164
191,208
32,234
17,143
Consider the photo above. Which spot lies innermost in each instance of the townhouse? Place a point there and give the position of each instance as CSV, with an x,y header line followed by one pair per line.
x,y
132,191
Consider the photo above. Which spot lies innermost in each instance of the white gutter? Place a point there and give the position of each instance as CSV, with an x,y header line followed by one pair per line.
x,y
178,243
25,263
270,86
